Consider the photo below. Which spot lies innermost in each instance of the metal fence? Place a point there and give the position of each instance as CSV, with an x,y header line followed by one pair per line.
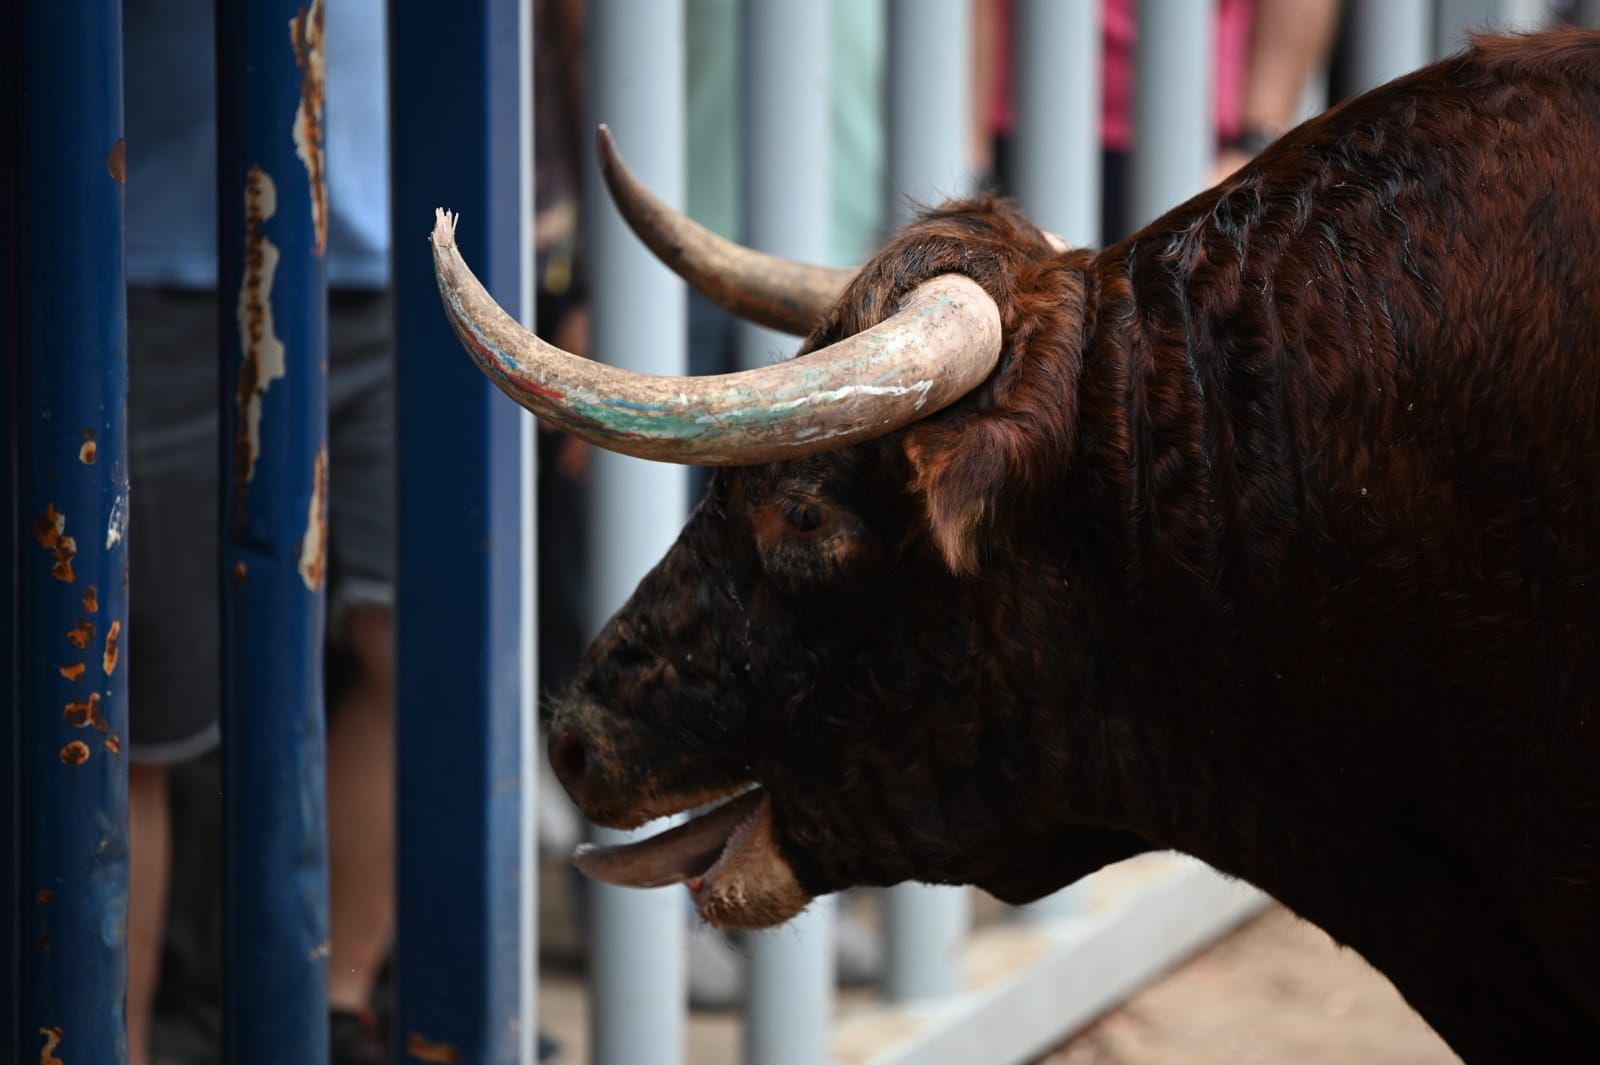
x,y
460,90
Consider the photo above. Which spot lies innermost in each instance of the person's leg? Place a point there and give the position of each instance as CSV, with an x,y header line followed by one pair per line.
x,y
361,728
149,830
361,812
173,679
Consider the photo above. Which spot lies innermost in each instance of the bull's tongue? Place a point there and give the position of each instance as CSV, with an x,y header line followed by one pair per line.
x,y
678,854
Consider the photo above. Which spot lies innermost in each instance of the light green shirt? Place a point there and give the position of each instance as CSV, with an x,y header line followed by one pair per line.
x,y
858,30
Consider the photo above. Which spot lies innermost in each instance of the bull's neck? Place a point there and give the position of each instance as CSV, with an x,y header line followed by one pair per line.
x,y
1150,562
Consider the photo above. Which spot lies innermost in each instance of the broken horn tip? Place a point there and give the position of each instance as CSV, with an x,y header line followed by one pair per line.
x,y
444,227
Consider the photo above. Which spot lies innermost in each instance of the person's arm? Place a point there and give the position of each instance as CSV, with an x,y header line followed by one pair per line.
x,y
1291,39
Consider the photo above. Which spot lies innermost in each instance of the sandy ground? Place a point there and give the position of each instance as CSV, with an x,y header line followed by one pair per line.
x,y
1276,991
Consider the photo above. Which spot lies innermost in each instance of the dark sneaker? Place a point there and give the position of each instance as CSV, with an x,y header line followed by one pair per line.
x,y
355,1039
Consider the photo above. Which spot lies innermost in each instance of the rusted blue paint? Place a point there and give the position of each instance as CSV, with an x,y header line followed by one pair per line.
x,y
63,384
458,138
273,303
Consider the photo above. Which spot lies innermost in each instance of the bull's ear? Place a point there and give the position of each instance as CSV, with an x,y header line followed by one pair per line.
x,y
980,470
959,486
960,464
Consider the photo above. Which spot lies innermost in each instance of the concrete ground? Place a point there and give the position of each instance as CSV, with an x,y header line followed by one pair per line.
x,y
1276,991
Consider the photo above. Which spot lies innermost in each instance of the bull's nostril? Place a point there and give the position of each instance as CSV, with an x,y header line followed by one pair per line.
x,y
569,759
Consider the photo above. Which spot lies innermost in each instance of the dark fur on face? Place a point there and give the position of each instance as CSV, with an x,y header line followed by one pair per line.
x,y
1274,538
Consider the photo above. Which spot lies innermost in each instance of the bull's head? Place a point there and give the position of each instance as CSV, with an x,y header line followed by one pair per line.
x,y
853,635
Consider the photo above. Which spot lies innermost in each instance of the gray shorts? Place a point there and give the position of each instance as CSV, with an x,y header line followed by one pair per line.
x,y
172,442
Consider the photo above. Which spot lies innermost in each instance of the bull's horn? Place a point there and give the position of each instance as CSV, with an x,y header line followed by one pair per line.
x,y
775,292
943,342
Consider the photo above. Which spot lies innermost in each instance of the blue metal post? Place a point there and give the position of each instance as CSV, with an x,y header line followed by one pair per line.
x,y
460,98
63,372
639,320
1058,116
272,230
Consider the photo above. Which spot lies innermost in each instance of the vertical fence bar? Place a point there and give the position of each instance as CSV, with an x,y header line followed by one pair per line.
x,y
460,99
64,333
930,91
930,100
638,316
1454,19
1058,116
272,228
787,145
11,302
1387,38
1524,16
787,185
1174,115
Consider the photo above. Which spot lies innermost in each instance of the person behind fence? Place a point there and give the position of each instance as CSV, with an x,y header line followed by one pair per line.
x,y
173,342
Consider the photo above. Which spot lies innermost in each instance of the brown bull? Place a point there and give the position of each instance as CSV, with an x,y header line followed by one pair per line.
x,y
1271,535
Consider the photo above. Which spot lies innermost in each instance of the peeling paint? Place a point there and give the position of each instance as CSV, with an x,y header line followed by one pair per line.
x,y
44,897
113,743
81,634
74,671
75,753
314,545
86,713
50,529
421,1048
117,524
117,161
88,453
108,661
262,360
91,600
52,1042
310,52
321,950
241,573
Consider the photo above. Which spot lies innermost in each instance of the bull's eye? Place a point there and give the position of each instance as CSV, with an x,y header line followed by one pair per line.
x,y
802,517
804,538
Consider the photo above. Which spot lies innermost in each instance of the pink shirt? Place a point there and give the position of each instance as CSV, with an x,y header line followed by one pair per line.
x,y
1234,22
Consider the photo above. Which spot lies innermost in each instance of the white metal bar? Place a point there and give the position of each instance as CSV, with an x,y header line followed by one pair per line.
x,y
638,320
1387,38
787,182
1057,161
930,92
1453,19
1057,143
1524,16
1035,984
926,930
787,195
1174,106
789,1009
532,754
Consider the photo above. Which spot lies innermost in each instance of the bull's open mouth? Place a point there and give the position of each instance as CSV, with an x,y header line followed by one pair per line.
x,y
692,853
